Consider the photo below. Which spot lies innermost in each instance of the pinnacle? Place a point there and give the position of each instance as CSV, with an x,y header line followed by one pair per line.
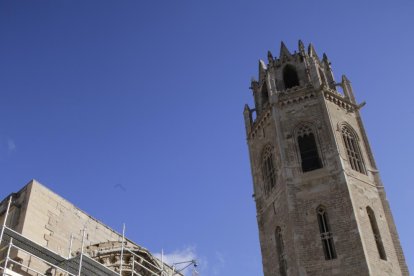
x,y
284,50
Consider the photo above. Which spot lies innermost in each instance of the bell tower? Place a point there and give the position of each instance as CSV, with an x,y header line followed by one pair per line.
x,y
321,206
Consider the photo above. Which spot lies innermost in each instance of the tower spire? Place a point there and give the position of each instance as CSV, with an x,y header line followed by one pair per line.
x,y
301,48
312,52
326,61
262,70
269,56
284,52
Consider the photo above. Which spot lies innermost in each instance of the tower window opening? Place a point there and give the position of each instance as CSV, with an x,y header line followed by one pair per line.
x,y
254,115
326,234
339,88
377,234
308,150
290,76
268,169
265,94
280,248
353,151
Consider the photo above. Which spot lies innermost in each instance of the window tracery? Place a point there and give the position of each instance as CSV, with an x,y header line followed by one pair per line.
x,y
268,169
353,151
326,234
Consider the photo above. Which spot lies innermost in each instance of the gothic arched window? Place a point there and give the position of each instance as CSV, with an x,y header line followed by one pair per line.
x,y
308,149
280,248
326,234
265,94
268,169
377,234
352,150
290,76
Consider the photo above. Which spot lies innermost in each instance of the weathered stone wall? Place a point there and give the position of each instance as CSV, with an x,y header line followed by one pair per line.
x,y
51,220
17,210
271,213
364,193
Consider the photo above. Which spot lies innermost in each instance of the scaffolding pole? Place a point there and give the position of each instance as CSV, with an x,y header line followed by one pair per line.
x,y
5,219
81,255
133,265
7,256
122,249
162,258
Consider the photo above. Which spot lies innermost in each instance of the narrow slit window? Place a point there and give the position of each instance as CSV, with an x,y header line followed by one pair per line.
x,y
353,151
309,154
377,234
268,169
326,234
280,248
290,76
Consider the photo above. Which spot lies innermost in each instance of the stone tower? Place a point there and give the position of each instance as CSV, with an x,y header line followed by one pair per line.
x,y
321,206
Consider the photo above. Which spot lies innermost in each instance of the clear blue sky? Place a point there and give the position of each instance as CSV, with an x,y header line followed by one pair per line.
x,y
149,95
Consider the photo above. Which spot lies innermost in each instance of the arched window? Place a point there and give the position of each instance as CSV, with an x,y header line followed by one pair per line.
x,y
352,149
265,94
290,76
308,150
268,169
280,248
326,234
377,234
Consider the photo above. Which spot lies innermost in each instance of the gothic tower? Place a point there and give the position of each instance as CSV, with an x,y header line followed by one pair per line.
x,y
321,206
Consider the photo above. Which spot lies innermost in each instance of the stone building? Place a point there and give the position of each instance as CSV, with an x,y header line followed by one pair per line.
x,y
45,234
321,206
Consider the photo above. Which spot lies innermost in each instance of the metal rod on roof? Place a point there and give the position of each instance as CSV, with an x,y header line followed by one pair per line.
x,y
81,256
122,249
5,219
187,264
70,246
133,265
162,258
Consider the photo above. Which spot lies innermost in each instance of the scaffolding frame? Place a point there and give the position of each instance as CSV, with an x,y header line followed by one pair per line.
x,y
8,260
81,265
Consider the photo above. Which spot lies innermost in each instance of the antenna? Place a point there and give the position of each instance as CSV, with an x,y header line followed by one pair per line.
x,y
184,265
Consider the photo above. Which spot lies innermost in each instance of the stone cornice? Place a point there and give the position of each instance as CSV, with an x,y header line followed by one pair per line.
x,y
339,100
296,95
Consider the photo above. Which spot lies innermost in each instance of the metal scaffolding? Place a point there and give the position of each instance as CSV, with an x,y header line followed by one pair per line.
x,y
14,248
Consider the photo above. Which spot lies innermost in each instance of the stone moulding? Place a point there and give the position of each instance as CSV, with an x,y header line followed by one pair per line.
x,y
339,100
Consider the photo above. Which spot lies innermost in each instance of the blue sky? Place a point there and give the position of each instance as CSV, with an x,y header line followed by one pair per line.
x,y
148,96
